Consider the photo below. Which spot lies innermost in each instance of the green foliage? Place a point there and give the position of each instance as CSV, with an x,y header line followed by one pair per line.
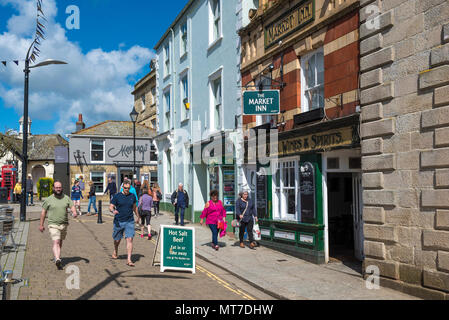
x,y
47,187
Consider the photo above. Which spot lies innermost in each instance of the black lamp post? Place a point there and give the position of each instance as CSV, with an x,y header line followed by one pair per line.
x,y
133,115
25,127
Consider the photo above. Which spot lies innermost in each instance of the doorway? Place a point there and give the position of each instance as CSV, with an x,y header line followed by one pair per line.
x,y
37,172
125,174
344,217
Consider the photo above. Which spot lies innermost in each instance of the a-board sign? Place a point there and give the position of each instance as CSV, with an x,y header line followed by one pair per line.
x,y
177,248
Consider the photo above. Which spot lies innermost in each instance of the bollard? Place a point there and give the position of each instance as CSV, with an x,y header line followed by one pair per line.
x,y
7,283
100,212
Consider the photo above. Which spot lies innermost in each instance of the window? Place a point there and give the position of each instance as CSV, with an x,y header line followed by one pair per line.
x,y
97,150
153,155
217,101
264,83
167,60
143,102
98,179
183,39
153,177
167,110
168,173
185,97
216,20
286,184
153,124
313,77
153,95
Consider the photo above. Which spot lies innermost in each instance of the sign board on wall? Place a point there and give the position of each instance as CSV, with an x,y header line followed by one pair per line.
x,y
266,102
307,192
177,248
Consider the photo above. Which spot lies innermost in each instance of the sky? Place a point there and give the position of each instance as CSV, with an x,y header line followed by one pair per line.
x,y
106,56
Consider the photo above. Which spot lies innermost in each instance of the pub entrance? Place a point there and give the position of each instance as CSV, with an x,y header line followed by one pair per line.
x,y
344,217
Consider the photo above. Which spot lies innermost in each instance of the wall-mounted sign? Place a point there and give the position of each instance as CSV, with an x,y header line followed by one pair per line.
x,y
284,235
177,248
127,151
317,141
293,20
265,232
307,192
307,239
261,102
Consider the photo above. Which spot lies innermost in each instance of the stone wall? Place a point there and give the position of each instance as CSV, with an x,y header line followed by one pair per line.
x,y
405,142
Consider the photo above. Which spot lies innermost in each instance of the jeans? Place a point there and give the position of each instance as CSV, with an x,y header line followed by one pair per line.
x,y
156,208
214,229
92,200
30,194
182,214
249,228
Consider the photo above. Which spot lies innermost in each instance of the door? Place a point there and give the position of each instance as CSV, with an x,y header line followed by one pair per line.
x,y
357,211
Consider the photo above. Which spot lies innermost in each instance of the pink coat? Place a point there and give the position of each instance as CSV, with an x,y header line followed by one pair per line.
x,y
214,212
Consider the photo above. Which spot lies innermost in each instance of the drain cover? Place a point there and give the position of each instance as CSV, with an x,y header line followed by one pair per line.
x,y
283,260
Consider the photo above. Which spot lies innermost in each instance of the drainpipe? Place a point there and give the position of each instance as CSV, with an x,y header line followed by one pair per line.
x,y
173,111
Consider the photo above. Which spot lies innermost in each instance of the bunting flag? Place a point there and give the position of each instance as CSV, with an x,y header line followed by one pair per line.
x,y
39,35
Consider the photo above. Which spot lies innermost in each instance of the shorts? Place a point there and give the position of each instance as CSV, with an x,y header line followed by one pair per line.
x,y
145,216
76,199
58,232
126,227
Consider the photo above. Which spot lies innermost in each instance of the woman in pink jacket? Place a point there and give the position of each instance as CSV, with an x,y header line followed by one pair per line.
x,y
213,212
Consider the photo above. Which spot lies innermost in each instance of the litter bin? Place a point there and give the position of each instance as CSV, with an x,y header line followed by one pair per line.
x,y
4,195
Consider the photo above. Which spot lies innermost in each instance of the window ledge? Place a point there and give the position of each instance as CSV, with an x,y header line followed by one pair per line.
x,y
186,120
167,77
215,43
183,56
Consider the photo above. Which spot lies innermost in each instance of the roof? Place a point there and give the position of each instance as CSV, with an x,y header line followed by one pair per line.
x,y
116,129
139,84
40,147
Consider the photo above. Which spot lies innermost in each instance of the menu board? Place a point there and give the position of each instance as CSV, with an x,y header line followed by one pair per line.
x,y
229,188
307,192
261,191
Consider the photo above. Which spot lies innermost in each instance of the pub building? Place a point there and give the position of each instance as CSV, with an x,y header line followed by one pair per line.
x,y
309,199
105,150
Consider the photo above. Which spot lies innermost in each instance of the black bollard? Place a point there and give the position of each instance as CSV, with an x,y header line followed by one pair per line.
x,y
100,211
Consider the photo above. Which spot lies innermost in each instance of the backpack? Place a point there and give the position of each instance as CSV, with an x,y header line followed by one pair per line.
x,y
159,195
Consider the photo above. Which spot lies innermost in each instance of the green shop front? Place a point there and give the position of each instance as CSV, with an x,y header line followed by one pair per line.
x,y
292,194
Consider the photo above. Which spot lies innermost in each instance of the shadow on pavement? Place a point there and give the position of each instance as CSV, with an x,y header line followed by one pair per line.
x,y
156,276
67,261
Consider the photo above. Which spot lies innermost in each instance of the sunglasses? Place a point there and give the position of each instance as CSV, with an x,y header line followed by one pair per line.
x,y
125,188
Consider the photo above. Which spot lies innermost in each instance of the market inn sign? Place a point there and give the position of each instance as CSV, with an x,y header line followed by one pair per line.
x,y
293,20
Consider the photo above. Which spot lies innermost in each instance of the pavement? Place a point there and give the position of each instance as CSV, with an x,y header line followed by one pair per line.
x,y
276,274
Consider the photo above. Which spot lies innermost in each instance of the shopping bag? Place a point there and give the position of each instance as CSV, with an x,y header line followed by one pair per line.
x,y
220,225
235,223
256,232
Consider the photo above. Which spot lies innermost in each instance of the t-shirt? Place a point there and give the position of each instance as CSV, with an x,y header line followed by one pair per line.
x,y
57,209
124,204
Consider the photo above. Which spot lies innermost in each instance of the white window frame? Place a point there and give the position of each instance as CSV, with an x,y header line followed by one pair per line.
x,y
153,95
184,94
104,182
213,36
143,98
104,153
280,202
168,170
212,101
167,108
167,60
183,33
304,60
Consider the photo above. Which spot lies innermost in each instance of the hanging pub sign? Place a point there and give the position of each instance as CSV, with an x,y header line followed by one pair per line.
x,y
307,191
261,102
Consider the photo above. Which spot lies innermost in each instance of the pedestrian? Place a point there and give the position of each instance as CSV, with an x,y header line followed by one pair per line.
x,y
82,186
111,188
146,185
17,192
131,190
122,206
137,186
246,213
145,205
214,212
29,189
77,196
157,197
92,198
180,199
56,206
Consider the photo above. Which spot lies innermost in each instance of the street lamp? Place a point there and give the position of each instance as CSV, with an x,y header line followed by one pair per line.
x,y
25,127
133,115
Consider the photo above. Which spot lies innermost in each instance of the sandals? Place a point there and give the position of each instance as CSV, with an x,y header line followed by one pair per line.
x,y
114,257
130,264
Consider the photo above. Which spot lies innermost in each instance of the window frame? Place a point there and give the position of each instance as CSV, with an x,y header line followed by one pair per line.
x,y
184,39
167,60
167,109
184,94
280,200
91,149
305,104
104,181
215,35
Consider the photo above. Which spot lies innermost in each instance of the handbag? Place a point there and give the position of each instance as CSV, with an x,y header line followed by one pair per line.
x,y
256,232
220,225
236,222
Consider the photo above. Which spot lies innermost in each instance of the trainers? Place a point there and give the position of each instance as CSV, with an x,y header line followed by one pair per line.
x,y
252,245
58,264
149,237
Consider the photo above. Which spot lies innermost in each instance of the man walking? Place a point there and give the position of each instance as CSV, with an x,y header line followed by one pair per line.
x,y
180,199
56,206
122,206
112,188
29,189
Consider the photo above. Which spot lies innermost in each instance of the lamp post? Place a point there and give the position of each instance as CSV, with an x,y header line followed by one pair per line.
x,y
25,126
133,115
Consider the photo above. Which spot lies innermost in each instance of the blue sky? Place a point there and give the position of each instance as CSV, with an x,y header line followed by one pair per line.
x,y
111,50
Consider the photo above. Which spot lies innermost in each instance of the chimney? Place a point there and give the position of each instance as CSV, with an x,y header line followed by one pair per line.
x,y
80,124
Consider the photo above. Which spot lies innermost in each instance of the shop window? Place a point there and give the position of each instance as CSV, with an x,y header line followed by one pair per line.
x,y
98,179
286,199
333,163
97,150
312,66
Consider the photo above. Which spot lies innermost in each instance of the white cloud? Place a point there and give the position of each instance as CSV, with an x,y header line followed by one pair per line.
x,y
94,84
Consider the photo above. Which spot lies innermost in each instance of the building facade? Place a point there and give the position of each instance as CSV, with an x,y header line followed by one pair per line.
x,y
106,151
197,61
404,68
309,194
145,99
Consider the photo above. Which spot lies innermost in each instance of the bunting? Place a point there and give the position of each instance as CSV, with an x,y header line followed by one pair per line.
x,y
38,38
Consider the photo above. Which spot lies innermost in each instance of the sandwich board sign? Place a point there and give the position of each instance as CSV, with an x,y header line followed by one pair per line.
x,y
177,248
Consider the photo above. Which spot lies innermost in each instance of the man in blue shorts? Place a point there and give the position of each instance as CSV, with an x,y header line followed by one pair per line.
x,y
122,206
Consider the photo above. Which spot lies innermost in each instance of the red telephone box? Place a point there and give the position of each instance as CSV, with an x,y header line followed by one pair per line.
x,y
9,178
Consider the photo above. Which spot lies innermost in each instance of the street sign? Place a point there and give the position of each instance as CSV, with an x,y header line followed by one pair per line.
x,y
177,248
265,102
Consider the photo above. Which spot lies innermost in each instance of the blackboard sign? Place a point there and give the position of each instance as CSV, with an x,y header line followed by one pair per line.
x,y
261,191
307,192
177,248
